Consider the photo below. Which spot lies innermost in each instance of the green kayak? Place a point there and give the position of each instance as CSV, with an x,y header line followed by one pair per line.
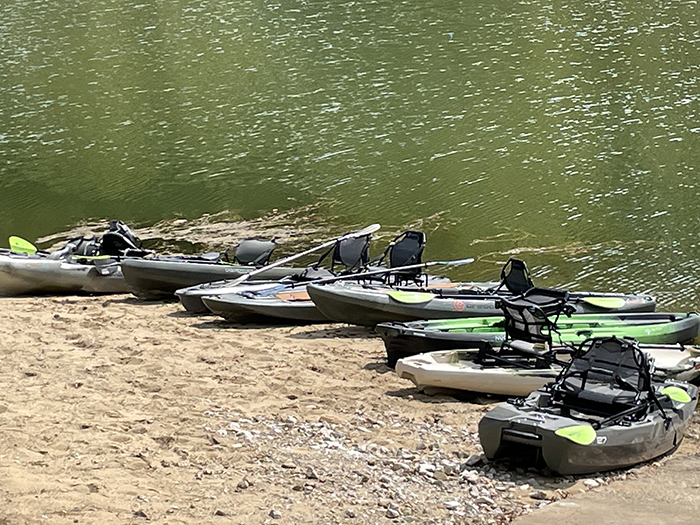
x,y
417,337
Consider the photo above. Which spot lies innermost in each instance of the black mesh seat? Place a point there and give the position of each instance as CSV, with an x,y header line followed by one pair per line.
x,y
351,252
530,321
607,375
118,240
533,316
405,249
516,277
254,252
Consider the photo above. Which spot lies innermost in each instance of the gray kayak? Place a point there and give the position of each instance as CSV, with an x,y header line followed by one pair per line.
x,y
281,302
160,278
28,274
191,297
371,304
603,412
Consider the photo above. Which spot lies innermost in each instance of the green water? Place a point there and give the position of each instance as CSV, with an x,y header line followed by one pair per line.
x,y
565,132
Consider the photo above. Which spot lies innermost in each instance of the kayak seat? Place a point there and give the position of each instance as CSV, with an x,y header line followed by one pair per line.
x,y
350,252
117,240
606,376
516,277
405,249
527,317
253,252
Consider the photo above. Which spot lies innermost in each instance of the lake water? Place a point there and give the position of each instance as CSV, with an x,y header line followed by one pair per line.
x,y
566,133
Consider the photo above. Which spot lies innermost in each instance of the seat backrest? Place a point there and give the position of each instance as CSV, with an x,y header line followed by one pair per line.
x,y
406,249
351,252
613,361
516,277
254,252
608,376
118,239
526,321
533,316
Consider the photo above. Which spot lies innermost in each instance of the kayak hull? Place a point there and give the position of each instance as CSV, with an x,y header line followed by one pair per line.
x,y
22,275
191,297
161,278
417,337
370,305
271,304
457,370
523,429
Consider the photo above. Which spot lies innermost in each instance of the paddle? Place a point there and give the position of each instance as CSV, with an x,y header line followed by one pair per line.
x,y
19,245
362,275
360,233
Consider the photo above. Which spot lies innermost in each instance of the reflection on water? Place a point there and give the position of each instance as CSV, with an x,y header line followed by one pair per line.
x,y
567,133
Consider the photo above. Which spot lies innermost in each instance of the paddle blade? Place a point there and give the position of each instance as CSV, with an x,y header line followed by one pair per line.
x,y
458,262
19,245
365,231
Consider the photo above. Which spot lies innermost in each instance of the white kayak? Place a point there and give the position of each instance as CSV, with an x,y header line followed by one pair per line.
x,y
29,274
457,370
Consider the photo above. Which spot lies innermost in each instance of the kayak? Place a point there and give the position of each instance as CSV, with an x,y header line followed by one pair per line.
x,y
604,412
417,337
22,274
370,304
463,370
278,302
84,264
165,276
403,255
161,277
284,299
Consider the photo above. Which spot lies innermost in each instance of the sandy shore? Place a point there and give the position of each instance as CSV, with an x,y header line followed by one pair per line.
x,y
115,410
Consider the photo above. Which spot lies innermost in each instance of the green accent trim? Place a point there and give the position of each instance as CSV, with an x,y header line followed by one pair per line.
x,y
410,297
605,302
579,434
19,245
676,394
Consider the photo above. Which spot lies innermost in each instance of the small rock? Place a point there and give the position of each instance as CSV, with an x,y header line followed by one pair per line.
x,y
591,483
311,473
440,475
392,513
243,484
349,513
275,514
474,460
539,495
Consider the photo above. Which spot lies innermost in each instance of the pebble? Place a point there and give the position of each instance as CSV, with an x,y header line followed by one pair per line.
x,y
443,478
539,495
